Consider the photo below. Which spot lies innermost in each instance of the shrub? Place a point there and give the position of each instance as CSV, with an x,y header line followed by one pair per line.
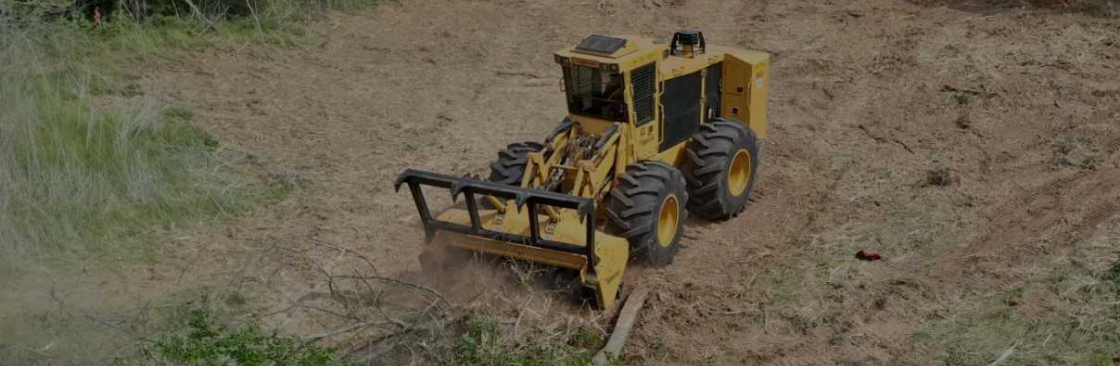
x,y
199,341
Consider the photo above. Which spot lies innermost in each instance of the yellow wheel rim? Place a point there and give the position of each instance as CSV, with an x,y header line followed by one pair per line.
x,y
740,173
667,221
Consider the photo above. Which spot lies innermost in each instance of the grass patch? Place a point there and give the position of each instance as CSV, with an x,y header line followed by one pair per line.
x,y
79,180
1077,151
200,341
481,345
1066,312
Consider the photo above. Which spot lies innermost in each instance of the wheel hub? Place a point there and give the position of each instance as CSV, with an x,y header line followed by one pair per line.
x,y
667,221
739,173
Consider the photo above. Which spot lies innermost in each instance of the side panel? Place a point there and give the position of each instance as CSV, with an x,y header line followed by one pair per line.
x,y
712,85
681,102
746,89
760,90
644,100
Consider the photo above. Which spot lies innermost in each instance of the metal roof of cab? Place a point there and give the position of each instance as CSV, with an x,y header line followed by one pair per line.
x,y
609,49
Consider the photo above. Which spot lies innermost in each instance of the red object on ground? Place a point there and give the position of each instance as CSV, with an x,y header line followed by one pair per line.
x,y
868,256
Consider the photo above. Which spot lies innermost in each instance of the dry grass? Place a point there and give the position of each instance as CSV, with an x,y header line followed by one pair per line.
x,y
79,179
74,177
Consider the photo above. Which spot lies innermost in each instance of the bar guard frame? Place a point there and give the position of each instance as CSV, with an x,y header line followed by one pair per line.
x,y
530,198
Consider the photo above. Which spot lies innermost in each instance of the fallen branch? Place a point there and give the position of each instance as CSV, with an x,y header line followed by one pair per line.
x,y
344,330
435,321
622,329
436,294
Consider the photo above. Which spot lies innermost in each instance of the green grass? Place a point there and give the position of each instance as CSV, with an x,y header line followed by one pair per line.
x,y
481,345
198,340
1062,309
78,180
1065,312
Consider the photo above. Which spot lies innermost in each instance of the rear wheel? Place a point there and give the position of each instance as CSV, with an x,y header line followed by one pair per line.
x,y
648,209
723,160
510,166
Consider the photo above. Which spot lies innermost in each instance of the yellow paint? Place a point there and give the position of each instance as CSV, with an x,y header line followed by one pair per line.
x,y
674,155
739,174
745,86
609,262
506,249
667,220
611,256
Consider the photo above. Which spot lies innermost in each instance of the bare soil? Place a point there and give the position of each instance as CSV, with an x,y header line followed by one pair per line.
x,y
1014,111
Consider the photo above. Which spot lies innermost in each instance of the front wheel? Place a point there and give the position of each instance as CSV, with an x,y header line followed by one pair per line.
x,y
510,166
648,209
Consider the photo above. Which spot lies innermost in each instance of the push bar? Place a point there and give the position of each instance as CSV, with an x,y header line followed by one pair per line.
x,y
524,197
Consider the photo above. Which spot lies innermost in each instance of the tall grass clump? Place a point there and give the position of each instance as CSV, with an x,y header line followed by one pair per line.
x,y
75,179
260,15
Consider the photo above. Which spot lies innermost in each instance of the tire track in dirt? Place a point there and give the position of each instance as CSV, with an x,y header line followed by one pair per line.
x,y
1095,216
1056,185
1042,219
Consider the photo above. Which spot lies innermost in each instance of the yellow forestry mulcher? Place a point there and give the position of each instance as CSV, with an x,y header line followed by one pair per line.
x,y
654,131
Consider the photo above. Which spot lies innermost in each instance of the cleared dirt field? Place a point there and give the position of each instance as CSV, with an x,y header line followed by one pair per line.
x,y
975,146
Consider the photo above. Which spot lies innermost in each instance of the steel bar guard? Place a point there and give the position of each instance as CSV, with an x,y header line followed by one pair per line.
x,y
530,198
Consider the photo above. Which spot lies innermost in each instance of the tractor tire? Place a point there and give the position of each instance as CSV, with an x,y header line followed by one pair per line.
x,y
647,207
723,160
510,166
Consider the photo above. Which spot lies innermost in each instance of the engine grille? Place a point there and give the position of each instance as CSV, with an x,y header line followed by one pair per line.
x,y
642,80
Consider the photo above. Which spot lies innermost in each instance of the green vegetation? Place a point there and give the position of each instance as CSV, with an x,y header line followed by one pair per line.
x,y
1063,308
481,345
74,177
1067,312
199,341
82,175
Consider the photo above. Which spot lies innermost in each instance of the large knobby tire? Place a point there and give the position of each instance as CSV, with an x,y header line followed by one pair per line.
x,y
647,207
723,160
510,166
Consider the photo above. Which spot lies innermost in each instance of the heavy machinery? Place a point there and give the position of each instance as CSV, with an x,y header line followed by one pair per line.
x,y
654,131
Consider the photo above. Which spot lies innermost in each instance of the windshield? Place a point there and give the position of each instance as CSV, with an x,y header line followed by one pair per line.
x,y
595,93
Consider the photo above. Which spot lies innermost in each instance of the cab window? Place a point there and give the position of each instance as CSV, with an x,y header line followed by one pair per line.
x,y
595,93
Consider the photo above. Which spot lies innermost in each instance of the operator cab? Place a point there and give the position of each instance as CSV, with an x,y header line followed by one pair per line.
x,y
664,90
595,86
595,92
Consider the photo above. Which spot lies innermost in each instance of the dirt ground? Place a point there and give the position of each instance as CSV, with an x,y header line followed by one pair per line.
x,y
968,144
